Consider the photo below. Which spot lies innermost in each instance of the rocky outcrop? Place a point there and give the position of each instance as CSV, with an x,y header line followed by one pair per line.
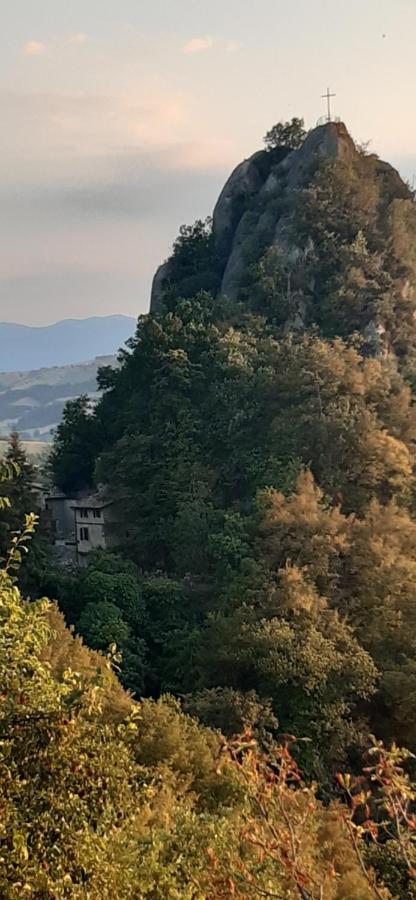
x,y
328,142
236,262
160,278
246,181
241,188
375,339
251,213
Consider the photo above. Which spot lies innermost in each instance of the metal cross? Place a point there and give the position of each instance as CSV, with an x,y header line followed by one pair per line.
x,y
327,97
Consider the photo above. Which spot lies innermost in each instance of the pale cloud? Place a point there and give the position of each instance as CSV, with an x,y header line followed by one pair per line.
x,y
65,128
233,46
34,48
79,38
198,44
208,155
84,228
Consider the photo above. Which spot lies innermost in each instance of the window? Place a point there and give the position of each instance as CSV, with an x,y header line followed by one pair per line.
x,y
83,513
84,534
97,513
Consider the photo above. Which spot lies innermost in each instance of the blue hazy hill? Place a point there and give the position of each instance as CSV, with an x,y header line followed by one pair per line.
x,y
71,341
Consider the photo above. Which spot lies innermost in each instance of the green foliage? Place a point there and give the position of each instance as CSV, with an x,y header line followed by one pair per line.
x,y
111,563
194,265
271,291
286,134
103,627
357,253
164,600
261,459
91,806
76,443
105,604
65,651
215,424
120,589
52,757
232,712
101,624
105,797
19,500
300,655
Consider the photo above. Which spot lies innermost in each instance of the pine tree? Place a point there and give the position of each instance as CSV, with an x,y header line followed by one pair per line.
x,y
20,490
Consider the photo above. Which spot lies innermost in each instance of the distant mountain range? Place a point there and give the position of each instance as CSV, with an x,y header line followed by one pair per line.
x,y
32,402
24,348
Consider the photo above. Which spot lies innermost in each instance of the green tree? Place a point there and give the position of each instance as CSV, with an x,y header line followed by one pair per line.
x,y
286,134
294,650
194,265
76,444
122,590
24,497
105,797
356,246
233,712
20,490
102,625
260,456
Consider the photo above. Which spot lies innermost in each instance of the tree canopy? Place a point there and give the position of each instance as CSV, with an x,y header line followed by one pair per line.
x,y
286,134
260,456
103,796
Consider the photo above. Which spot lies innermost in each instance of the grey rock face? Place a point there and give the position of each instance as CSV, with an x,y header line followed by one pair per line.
x,y
251,211
156,298
243,183
329,142
236,260
375,338
296,320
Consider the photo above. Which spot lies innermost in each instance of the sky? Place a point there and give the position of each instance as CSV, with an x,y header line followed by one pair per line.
x,y
121,120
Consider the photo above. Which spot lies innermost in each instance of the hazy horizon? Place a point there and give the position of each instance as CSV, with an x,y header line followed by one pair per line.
x,y
66,319
122,122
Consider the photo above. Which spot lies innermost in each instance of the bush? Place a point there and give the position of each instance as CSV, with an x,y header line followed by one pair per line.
x,y
286,134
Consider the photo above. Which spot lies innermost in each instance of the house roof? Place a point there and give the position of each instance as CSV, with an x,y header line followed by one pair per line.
x,y
94,501
58,495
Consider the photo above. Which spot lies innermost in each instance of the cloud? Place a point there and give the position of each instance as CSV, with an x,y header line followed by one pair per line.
x,y
233,46
79,38
34,48
65,128
98,159
37,48
91,240
94,200
198,44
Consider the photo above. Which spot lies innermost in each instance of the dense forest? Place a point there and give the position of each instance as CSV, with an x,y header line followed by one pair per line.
x,y
259,613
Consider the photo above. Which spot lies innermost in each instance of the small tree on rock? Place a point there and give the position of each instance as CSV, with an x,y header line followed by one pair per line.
x,y
286,134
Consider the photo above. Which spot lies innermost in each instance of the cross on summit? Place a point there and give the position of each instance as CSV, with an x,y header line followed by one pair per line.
x,y
327,97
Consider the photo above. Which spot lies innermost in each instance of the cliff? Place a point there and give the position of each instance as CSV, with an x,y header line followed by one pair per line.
x,y
259,209
280,179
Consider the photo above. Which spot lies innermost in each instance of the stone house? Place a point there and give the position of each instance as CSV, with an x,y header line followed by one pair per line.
x,y
79,526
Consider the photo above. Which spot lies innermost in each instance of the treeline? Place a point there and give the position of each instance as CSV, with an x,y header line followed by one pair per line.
x,y
260,455
103,796
265,481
